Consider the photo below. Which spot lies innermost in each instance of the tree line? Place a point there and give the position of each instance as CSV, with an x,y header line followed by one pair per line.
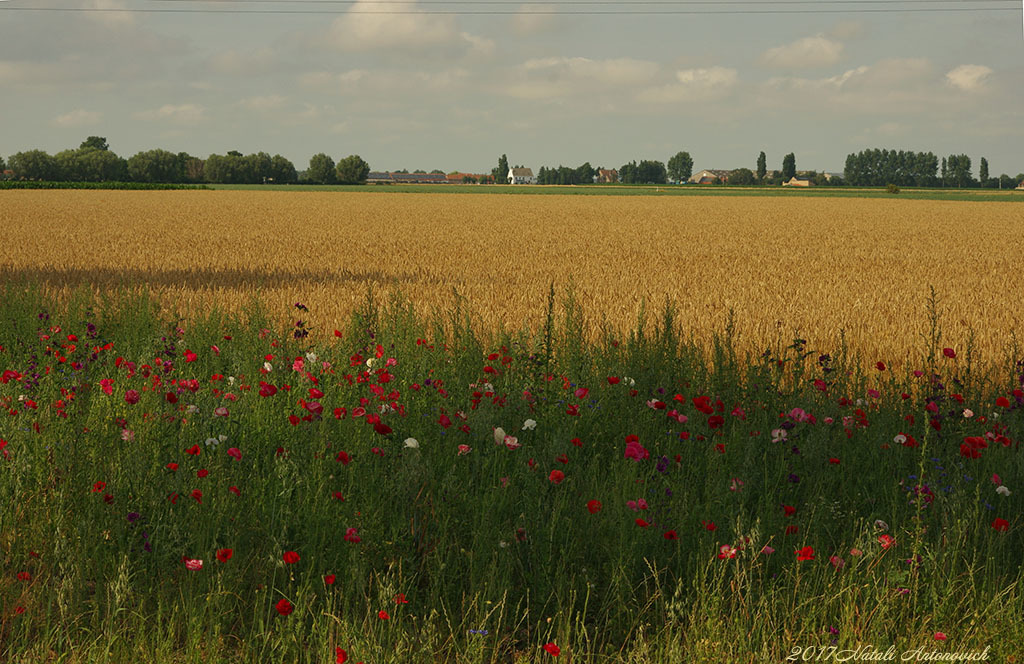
x,y
94,161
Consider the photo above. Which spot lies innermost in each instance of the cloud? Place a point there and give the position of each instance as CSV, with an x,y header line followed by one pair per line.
x,y
361,29
264,103
77,118
556,77
108,18
235,62
817,51
181,114
535,19
968,77
692,85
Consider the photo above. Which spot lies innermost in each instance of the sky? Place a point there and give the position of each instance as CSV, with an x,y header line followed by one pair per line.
x,y
540,82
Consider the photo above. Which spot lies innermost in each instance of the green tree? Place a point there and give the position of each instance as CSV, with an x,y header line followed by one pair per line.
x,y
3,166
34,165
155,166
500,173
788,167
353,170
282,170
742,176
945,171
98,142
651,172
983,171
680,167
762,166
959,166
193,169
321,169
584,173
96,165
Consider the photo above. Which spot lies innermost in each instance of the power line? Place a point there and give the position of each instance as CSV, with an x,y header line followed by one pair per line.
x,y
625,12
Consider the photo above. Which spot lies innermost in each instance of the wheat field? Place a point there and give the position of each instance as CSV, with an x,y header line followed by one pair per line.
x,y
785,266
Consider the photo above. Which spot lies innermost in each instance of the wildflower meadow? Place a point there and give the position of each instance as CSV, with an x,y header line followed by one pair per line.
x,y
399,488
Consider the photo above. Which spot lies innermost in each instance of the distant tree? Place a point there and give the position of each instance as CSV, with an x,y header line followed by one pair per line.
x,y
156,166
680,167
98,142
945,171
321,169
500,173
584,173
742,176
282,170
234,153
983,171
353,170
420,171
437,171
2,165
651,172
1006,182
34,165
762,166
94,165
193,169
628,173
788,167
959,166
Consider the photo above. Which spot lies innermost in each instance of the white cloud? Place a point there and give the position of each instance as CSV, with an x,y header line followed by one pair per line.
x,y
264,103
362,30
111,19
78,118
692,85
968,77
253,61
181,114
817,51
534,19
559,77
479,47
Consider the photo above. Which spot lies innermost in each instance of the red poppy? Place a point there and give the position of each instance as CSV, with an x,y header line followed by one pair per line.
x,y
593,506
99,486
556,476
131,397
792,530
613,380
235,453
886,541
709,525
383,615
344,458
198,495
352,536
789,510
400,599
382,428
202,473
806,553
1003,402
671,535
290,557
234,490
329,579
880,366
171,397
642,523
834,461
194,450
552,649
172,466
284,607
341,655
949,352
224,555
1002,525
190,356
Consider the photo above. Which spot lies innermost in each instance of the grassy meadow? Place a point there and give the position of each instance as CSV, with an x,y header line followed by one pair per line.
x,y
261,427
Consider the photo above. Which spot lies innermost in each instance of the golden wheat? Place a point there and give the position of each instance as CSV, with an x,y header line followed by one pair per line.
x,y
790,264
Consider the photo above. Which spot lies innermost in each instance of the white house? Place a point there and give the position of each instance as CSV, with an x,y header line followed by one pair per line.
x,y
521,176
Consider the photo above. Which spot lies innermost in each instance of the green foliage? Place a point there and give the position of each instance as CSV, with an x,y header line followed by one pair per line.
x,y
958,170
156,166
352,170
742,176
788,167
646,172
762,166
34,165
321,169
582,174
892,189
877,168
680,167
97,142
500,172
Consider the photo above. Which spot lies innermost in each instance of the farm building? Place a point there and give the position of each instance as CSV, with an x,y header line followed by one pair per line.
x,y
797,182
713,176
1021,185
376,177
521,176
605,176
